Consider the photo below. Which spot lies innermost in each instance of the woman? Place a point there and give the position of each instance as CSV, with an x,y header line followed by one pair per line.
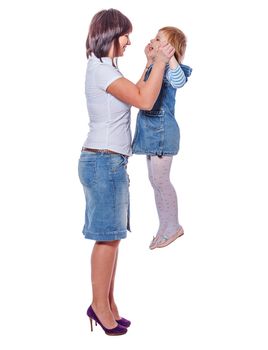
x,y
104,156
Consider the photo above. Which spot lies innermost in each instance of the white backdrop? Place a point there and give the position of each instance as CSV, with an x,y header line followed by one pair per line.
x,y
208,290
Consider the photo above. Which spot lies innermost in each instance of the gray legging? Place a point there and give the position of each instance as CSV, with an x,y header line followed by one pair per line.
x,y
165,194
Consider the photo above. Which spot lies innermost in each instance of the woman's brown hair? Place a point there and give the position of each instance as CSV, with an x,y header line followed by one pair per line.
x,y
177,39
105,29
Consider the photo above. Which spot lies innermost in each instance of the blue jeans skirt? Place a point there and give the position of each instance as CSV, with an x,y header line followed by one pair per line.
x,y
106,186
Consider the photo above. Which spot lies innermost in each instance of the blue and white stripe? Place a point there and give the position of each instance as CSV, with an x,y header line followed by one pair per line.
x,y
178,76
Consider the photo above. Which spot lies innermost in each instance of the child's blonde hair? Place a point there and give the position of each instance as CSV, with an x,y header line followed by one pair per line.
x,y
177,39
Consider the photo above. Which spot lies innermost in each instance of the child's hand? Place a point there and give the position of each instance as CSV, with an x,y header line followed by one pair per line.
x,y
165,52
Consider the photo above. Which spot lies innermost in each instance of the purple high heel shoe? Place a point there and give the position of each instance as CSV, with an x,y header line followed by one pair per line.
x,y
123,322
118,330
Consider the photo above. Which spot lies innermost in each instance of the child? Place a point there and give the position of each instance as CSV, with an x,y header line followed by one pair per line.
x,y
157,133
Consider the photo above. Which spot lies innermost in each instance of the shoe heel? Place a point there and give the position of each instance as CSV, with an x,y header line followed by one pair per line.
x,y
91,325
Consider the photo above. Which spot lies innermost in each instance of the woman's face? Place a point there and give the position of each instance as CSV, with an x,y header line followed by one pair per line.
x,y
123,42
155,43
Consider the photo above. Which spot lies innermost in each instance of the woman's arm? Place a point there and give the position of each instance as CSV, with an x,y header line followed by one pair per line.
x,y
144,96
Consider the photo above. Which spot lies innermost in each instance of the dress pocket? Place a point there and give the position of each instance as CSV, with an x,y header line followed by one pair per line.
x,y
154,119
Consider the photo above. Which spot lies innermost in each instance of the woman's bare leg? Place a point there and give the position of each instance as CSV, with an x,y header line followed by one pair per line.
x,y
103,261
111,292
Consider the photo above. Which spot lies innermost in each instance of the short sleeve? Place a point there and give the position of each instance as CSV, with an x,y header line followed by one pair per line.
x,y
105,75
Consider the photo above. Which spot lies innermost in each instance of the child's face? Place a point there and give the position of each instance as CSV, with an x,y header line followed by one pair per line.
x,y
155,43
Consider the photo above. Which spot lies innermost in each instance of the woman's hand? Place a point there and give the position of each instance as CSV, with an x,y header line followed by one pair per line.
x,y
164,52
149,54
173,63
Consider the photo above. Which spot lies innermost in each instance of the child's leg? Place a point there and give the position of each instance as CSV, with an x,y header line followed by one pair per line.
x,y
165,195
157,194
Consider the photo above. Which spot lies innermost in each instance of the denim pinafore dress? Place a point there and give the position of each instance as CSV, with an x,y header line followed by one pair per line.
x,y
157,131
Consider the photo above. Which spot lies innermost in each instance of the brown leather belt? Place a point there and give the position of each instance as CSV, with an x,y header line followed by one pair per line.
x,y
98,150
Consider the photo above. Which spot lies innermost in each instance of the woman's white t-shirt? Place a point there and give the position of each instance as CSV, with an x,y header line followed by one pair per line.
x,y
109,118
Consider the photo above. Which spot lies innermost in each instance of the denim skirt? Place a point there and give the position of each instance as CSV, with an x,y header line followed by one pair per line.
x,y
106,186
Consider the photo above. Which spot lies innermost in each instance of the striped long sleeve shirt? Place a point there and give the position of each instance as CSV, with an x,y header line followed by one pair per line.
x,y
178,76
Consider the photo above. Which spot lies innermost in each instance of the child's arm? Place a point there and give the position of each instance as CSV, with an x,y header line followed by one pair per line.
x,y
175,74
